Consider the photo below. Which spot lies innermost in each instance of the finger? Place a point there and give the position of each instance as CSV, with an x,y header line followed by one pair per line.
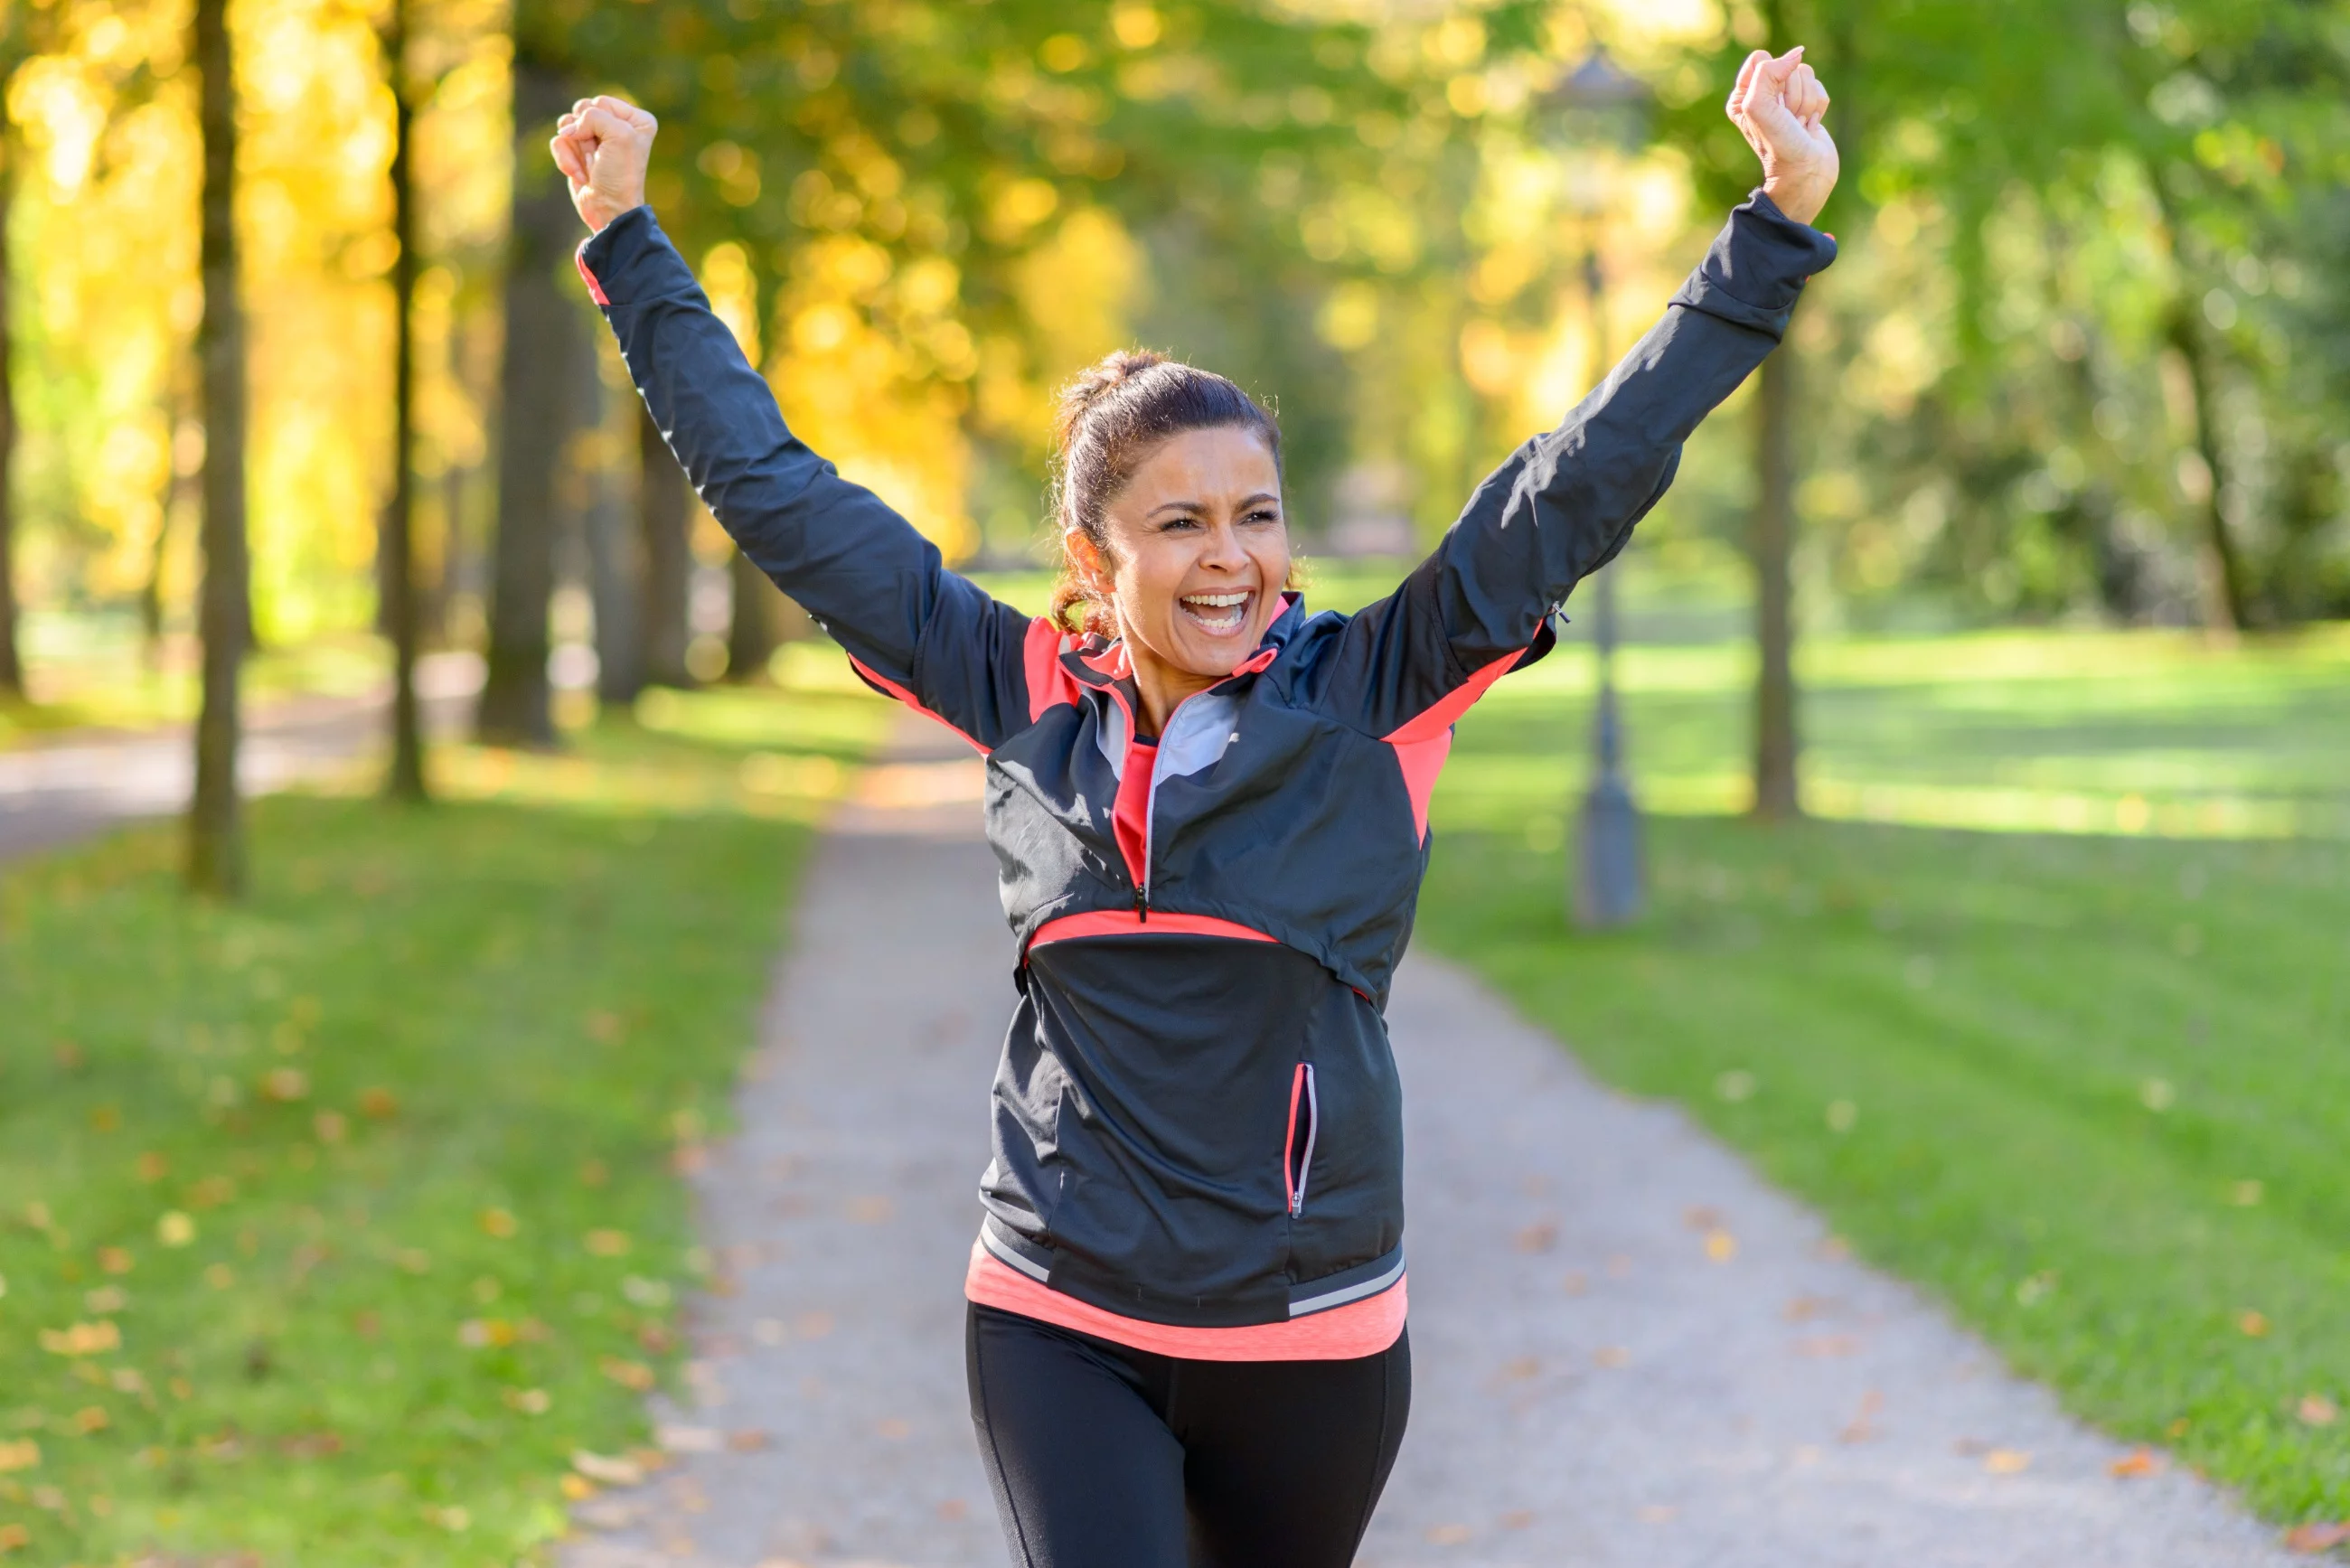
x,y
1737,103
567,159
626,113
604,125
1771,76
1803,93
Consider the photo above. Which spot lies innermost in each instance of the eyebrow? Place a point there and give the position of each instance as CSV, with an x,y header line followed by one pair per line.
x,y
1202,506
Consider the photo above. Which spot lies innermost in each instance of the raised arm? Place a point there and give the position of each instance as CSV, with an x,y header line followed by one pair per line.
x,y
1565,504
867,575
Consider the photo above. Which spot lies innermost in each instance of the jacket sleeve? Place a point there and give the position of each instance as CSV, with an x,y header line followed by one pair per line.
x,y
913,630
1565,504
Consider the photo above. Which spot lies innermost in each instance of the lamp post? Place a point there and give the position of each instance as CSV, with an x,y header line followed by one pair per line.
x,y
1600,104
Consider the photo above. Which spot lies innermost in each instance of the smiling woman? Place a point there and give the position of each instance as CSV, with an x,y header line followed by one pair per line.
x,y
1186,1337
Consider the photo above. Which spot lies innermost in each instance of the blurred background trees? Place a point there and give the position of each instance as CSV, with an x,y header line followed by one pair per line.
x,y
2083,357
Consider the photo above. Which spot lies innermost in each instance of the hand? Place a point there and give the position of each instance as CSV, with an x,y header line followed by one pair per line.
x,y
1777,106
602,147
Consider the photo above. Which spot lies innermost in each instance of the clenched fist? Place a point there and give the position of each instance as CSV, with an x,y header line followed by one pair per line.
x,y
1777,106
602,147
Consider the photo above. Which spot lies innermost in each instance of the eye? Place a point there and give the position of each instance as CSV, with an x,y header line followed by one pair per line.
x,y
1172,524
1263,514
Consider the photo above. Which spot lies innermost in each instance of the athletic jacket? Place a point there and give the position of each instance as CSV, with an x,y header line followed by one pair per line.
x,y
1197,1123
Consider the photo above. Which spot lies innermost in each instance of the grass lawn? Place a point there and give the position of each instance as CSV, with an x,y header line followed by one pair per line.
x,y
332,1225
2089,1088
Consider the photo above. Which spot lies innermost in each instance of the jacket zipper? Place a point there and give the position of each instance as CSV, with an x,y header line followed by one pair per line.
x,y
1293,1169
1151,790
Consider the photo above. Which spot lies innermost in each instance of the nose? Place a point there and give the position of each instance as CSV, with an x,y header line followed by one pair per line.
x,y
1223,551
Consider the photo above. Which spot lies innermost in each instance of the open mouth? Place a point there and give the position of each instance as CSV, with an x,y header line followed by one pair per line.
x,y
1217,615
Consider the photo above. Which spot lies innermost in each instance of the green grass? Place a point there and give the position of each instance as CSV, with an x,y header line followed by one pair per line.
x,y
2088,1087
332,1224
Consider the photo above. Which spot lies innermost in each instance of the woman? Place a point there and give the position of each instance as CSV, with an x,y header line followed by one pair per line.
x,y
1186,1323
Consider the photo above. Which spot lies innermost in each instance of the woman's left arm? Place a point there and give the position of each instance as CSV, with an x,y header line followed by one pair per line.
x,y
1565,504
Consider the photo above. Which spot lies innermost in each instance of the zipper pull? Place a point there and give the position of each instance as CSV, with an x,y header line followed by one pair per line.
x,y
1142,903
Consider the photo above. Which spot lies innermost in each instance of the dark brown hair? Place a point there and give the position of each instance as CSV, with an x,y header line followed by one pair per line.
x,y
1113,417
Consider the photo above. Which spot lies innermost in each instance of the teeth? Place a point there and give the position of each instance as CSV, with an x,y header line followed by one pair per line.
x,y
1215,601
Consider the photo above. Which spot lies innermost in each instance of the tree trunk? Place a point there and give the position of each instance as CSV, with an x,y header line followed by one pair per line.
x,y
751,635
616,568
535,412
664,515
1777,795
12,666
216,829
396,554
2227,596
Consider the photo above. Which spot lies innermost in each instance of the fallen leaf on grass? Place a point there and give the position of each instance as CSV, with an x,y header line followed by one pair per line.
x,y
2315,1538
2137,1462
21,1455
608,1243
311,1445
152,1166
577,1488
455,1521
174,1229
82,1339
631,1375
529,1401
2253,1324
379,1105
2317,1410
14,1538
114,1259
499,1224
607,1469
286,1085
2007,1461
88,1419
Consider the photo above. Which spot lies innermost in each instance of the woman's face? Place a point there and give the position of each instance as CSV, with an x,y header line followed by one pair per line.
x,y
1199,551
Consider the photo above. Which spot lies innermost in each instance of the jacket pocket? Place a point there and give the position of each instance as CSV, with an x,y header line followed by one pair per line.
x,y
1297,1148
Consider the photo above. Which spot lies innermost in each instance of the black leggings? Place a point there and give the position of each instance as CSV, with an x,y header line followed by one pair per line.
x,y
1103,1457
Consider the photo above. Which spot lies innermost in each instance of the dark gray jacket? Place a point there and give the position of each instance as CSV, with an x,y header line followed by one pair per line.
x,y
1195,1117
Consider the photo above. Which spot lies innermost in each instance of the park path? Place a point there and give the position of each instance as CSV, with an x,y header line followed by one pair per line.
x,y
55,791
1629,1351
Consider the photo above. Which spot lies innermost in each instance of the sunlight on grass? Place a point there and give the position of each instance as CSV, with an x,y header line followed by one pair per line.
x,y
332,1225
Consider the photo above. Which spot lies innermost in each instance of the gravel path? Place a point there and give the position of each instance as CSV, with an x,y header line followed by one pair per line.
x,y
52,791
1629,1350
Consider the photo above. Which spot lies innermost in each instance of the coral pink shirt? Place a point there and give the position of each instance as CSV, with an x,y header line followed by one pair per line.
x,y
1343,1333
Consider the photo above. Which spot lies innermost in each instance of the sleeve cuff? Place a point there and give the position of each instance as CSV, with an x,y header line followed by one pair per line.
x,y
620,261
1758,266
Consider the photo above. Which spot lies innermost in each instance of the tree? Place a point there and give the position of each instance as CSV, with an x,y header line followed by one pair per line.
x,y
12,668
536,399
396,555
215,827
664,513
751,634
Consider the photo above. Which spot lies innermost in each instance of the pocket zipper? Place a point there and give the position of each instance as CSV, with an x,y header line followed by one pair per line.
x,y
1294,1168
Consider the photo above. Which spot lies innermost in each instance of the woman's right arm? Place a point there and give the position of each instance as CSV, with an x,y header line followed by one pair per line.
x,y
869,578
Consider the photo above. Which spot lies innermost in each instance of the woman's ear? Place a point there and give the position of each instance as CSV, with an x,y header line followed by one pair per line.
x,y
1093,570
